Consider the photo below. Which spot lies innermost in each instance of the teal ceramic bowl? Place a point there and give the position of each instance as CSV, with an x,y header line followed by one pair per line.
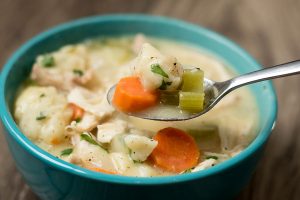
x,y
51,178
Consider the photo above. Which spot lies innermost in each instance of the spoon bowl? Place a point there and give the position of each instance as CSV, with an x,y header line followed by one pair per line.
x,y
213,93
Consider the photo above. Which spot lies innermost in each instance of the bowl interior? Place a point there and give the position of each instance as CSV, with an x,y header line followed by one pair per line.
x,y
19,66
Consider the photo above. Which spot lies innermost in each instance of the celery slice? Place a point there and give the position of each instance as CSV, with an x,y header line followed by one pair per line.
x,y
193,80
169,98
191,101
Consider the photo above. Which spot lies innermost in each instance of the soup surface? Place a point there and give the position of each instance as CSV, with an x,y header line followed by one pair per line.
x,y
63,109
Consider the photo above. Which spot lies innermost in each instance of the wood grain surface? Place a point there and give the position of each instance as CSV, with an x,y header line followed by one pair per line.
x,y
268,29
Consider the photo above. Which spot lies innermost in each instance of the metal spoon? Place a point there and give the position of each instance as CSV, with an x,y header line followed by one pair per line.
x,y
215,91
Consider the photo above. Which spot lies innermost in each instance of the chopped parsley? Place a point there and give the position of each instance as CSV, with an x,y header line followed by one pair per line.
x,y
77,120
212,157
78,72
164,85
155,68
66,152
42,95
41,116
48,61
90,140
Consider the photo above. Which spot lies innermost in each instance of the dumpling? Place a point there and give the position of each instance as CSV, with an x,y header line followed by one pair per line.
x,y
42,114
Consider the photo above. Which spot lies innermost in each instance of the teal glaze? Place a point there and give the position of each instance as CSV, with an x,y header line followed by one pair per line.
x,y
51,178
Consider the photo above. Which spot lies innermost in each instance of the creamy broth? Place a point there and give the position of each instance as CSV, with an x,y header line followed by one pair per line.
x,y
109,140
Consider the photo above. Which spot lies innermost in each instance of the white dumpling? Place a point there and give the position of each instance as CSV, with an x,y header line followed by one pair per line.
x,y
69,67
157,70
140,146
42,114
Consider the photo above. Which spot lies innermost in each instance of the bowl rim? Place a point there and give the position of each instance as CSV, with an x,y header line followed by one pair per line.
x,y
59,164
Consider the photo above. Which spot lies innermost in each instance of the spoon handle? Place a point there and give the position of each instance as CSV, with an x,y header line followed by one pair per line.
x,y
286,69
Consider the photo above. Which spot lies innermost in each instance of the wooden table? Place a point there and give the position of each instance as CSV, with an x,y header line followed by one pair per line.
x,y
269,30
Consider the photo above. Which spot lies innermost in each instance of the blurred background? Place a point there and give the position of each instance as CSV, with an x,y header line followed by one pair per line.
x,y
269,30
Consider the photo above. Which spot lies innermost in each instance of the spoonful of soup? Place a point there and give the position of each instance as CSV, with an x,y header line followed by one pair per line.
x,y
161,89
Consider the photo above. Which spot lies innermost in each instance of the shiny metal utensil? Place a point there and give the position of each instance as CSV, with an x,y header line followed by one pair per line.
x,y
215,91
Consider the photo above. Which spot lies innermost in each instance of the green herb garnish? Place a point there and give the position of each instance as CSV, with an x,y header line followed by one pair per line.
x,y
48,61
66,152
78,72
212,157
41,116
42,95
164,85
89,139
78,120
155,68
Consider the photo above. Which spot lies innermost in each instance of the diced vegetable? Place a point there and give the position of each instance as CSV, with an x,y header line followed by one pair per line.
x,y
130,95
77,112
176,150
193,80
191,98
169,98
191,101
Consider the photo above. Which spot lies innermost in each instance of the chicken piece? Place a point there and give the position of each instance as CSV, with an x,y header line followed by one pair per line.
x,y
157,71
142,170
107,131
63,69
204,165
117,144
140,146
91,102
87,123
42,114
121,161
138,42
90,155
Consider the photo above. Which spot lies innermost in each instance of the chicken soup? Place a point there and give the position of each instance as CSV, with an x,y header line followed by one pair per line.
x,y
63,108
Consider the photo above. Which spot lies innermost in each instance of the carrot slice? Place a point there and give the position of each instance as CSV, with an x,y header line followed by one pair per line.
x,y
77,112
130,95
176,150
97,169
